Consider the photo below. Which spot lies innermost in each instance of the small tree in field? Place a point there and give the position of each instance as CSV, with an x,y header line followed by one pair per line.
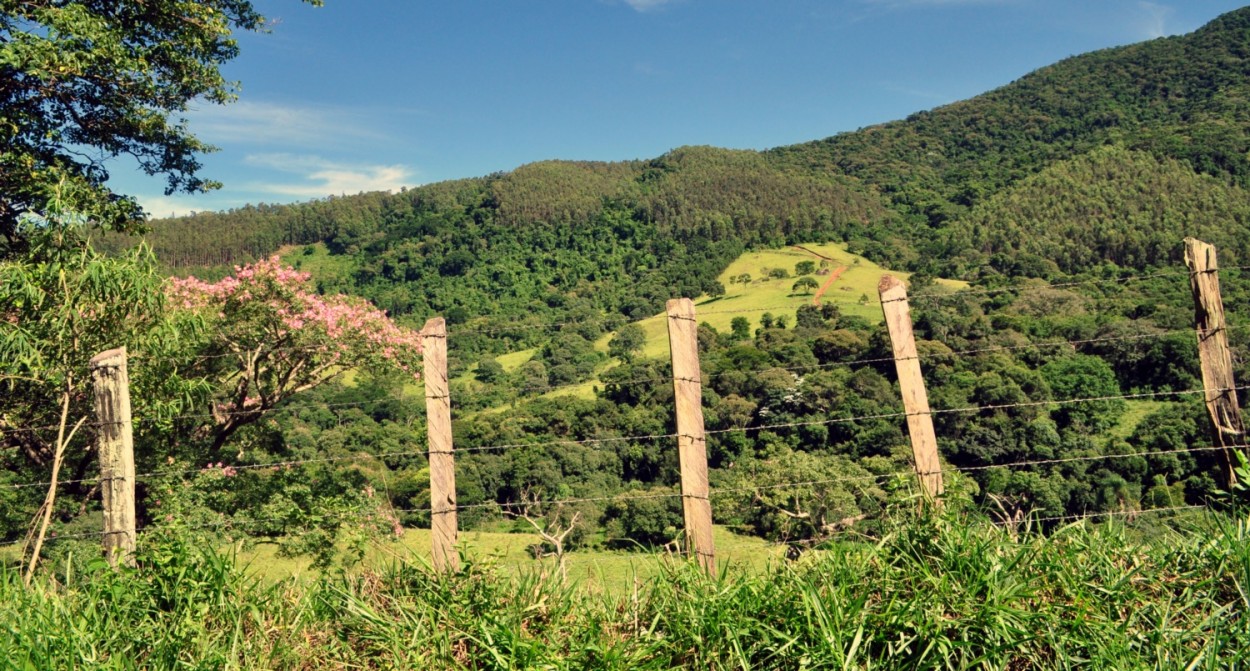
x,y
267,336
805,285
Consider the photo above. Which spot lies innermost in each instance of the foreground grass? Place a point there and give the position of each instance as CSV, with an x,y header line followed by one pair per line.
x,y
933,594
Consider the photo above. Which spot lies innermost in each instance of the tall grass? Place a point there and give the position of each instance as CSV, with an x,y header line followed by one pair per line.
x,y
933,593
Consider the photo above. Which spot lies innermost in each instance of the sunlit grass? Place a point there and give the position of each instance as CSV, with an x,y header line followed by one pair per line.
x,y
944,593
1137,410
854,292
598,569
317,260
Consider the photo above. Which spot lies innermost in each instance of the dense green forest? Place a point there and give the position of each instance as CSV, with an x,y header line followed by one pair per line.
x,y
1063,197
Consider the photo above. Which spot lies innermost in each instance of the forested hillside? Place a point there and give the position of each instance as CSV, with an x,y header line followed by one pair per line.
x,y
893,188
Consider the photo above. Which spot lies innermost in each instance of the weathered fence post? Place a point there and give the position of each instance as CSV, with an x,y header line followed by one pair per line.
x,y
115,441
911,385
1227,429
683,339
442,459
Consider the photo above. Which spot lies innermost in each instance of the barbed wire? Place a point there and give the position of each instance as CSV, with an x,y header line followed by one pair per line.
x,y
1030,288
967,409
225,521
280,406
876,360
663,380
547,389
1117,513
546,443
366,456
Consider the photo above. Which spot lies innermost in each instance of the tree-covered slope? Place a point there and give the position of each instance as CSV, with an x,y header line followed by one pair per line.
x,y
1183,97
904,192
551,237
1112,205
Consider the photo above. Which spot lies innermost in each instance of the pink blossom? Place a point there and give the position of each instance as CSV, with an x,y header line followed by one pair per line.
x,y
332,326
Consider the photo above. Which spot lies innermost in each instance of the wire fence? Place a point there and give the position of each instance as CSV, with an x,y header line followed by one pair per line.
x,y
607,442
655,380
717,491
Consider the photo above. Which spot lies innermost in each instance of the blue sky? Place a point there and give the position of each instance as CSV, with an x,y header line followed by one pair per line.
x,y
363,95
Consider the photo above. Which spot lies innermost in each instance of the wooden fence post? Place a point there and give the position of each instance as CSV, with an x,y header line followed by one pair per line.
x,y
683,340
911,385
441,456
115,441
1227,429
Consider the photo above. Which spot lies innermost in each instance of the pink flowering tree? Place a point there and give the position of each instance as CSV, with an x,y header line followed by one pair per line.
x,y
268,336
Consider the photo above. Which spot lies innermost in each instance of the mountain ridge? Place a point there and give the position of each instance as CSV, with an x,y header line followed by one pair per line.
x,y
899,192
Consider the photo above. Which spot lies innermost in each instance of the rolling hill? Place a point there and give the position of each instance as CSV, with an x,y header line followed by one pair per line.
x,y
908,193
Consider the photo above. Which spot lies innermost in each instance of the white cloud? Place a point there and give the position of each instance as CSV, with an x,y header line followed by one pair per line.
x,y
160,207
321,177
1153,19
647,5
271,123
903,4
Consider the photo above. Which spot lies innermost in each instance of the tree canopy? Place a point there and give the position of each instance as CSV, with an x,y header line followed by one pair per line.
x,y
86,81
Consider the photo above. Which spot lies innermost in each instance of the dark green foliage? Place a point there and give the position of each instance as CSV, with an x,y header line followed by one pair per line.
x,y
805,285
628,340
1110,206
84,82
647,518
1084,377
488,371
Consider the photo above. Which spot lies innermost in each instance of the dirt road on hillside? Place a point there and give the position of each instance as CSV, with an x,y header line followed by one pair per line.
x,y
833,275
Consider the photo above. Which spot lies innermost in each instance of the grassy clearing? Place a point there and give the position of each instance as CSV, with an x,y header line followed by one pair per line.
x,y
932,593
595,569
512,361
1137,411
318,260
855,292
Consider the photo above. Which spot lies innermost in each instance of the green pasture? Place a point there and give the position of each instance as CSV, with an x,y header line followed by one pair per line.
x,y
1137,410
854,292
606,570
318,260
